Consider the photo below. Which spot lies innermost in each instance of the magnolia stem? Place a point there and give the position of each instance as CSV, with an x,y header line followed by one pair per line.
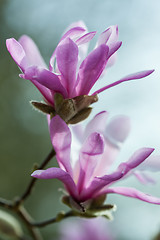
x,y
5,203
33,180
56,219
16,205
61,216
24,215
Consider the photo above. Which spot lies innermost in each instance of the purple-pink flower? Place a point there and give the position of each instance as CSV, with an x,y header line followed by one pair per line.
x,y
85,164
84,229
71,71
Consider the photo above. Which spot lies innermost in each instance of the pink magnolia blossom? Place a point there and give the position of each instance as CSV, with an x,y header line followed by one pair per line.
x,y
71,71
83,229
86,171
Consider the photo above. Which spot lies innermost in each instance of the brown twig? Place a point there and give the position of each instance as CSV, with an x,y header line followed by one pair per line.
x,y
24,215
58,218
16,205
6,203
33,180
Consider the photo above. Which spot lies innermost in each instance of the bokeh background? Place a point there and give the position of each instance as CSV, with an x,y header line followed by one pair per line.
x,y
24,137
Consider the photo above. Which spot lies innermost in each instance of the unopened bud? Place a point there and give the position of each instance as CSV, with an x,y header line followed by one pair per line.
x,y
82,115
84,101
74,110
9,227
71,110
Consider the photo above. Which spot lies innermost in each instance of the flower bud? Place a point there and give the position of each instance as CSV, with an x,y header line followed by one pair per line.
x,y
74,110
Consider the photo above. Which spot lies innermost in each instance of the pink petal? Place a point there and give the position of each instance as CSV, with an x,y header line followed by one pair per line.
x,y
97,124
17,52
91,69
133,76
114,34
133,193
112,60
116,132
151,164
90,154
113,47
46,79
78,132
108,158
103,38
98,184
78,24
137,158
58,173
32,52
85,38
61,140
118,129
67,59
48,97
110,37
74,32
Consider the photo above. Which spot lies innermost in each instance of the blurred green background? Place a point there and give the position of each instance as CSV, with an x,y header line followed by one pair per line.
x,y
24,137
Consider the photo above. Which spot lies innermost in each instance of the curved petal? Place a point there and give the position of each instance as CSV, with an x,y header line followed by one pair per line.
x,y
76,24
108,158
74,31
46,79
151,164
91,69
137,158
104,36
61,140
133,193
85,38
97,124
118,129
17,52
97,184
111,60
113,47
133,76
67,59
90,154
109,37
48,97
32,52
114,34
116,132
58,173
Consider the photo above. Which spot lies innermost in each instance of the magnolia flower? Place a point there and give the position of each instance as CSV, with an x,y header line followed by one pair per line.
x,y
71,71
88,174
82,229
